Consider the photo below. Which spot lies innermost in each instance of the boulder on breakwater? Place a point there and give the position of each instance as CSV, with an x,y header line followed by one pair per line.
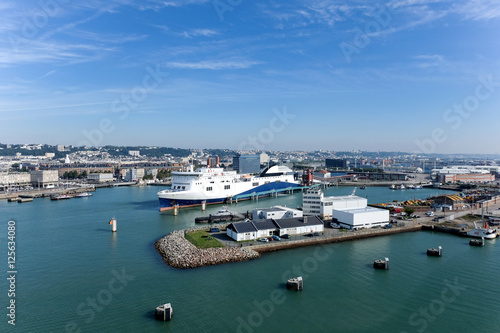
x,y
178,252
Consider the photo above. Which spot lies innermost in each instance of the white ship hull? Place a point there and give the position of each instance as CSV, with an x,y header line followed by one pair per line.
x,y
214,185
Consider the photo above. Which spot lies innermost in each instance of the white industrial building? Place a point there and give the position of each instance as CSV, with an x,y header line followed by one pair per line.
x,y
44,178
100,177
276,212
14,180
367,217
350,211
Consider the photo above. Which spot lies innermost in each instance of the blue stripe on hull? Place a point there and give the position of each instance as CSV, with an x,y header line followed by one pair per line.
x,y
166,204
270,187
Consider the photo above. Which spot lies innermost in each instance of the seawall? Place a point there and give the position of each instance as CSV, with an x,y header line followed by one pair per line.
x,y
349,236
178,252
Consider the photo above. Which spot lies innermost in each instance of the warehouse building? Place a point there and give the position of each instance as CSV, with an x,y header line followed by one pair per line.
x,y
252,230
276,212
349,211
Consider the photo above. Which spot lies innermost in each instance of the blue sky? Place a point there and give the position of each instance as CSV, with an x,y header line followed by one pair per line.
x,y
414,75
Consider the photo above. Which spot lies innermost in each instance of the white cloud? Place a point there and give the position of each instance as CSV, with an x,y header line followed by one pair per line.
x,y
479,9
213,65
429,60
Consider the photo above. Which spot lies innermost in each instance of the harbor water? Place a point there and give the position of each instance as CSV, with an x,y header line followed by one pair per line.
x,y
75,275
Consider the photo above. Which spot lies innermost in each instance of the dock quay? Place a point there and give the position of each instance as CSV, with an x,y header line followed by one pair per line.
x,y
43,193
234,216
178,252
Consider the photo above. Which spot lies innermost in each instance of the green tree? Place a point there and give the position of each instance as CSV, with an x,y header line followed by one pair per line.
x,y
409,210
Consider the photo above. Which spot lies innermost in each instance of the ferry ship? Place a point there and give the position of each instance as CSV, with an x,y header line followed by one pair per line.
x,y
215,185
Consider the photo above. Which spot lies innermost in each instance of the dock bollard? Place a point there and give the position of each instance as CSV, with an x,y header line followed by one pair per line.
x,y
113,223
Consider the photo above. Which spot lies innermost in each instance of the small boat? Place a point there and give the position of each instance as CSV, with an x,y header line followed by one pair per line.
x,y
485,232
401,187
362,187
221,215
418,187
477,242
61,197
84,195
435,252
222,212
392,187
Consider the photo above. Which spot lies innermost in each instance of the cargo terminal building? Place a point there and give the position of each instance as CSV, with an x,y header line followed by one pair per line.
x,y
349,211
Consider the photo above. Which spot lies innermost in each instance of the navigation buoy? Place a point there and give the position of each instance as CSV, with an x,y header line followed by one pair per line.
x,y
113,223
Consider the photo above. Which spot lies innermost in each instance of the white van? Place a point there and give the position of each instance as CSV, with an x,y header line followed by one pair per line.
x,y
430,213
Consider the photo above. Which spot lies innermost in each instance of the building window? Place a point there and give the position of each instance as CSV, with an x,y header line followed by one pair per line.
x,y
255,184
209,188
227,187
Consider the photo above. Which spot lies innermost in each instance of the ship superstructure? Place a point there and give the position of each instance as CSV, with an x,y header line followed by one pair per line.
x,y
215,185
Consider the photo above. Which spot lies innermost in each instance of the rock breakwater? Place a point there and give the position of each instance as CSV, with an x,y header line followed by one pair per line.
x,y
178,252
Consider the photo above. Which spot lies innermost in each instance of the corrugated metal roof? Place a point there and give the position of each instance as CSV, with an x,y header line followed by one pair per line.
x,y
264,224
298,222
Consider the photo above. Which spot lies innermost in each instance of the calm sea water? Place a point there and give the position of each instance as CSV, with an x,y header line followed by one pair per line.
x,y
75,275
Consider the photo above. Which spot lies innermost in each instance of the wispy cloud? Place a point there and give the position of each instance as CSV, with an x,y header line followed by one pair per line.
x,y
200,32
52,52
213,65
49,73
479,9
187,33
429,60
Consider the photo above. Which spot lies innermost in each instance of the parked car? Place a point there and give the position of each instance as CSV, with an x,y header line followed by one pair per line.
x,y
276,238
285,236
214,229
388,226
316,234
270,239
308,235
334,225
265,240
429,213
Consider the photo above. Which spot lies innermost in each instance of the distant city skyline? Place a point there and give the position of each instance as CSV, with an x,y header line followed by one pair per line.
x,y
411,76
